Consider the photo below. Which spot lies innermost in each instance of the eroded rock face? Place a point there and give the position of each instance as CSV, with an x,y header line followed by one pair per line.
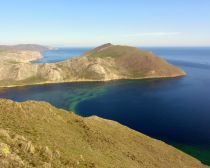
x,y
36,134
17,151
107,62
49,72
19,56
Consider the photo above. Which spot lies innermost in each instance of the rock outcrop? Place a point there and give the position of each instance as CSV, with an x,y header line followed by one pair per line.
x,y
107,62
18,152
15,57
36,134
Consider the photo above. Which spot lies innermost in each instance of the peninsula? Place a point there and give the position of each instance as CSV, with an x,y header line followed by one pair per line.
x,y
104,63
21,53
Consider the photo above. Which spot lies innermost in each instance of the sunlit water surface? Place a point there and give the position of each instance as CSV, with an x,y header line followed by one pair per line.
x,y
176,110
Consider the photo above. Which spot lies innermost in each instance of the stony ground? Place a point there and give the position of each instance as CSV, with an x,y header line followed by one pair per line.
x,y
107,62
36,134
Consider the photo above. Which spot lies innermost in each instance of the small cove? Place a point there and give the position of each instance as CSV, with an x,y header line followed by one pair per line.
x,y
175,110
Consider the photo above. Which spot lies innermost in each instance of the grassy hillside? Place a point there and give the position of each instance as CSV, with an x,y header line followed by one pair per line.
x,y
104,63
36,134
114,51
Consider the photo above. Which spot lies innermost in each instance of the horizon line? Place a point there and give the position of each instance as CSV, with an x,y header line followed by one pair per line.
x,y
91,46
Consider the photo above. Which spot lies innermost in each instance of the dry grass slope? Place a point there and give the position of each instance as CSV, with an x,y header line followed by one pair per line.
x,y
36,134
104,63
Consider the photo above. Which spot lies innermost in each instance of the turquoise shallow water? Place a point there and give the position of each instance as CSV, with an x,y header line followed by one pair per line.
x,y
176,110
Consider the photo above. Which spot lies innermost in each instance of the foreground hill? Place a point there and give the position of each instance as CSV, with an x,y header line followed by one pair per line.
x,y
107,62
36,134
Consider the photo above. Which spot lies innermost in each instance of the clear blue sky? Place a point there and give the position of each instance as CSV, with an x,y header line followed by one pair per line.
x,y
94,22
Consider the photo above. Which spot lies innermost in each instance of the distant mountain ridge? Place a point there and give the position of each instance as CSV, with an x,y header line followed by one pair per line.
x,y
104,63
21,53
21,47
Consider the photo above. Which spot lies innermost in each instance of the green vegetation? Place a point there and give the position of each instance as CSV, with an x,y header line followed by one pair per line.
x,y
116,51
36,134
3,53
28,81
202,155
104,63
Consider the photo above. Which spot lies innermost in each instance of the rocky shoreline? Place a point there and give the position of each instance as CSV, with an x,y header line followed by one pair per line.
x,y
105,63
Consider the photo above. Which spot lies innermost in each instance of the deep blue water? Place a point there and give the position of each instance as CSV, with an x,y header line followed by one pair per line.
x,y
176,110
60,54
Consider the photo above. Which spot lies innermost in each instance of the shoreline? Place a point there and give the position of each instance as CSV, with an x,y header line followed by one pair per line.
x,y
88,81
93,126
54,74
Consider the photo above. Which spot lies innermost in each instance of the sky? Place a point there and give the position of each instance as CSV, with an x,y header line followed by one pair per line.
x,y
95,22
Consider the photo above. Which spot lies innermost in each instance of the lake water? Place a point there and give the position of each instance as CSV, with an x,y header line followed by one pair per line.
x,y
176,110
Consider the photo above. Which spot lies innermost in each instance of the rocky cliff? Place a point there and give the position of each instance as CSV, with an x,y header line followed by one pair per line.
x,y
107,62
22,53
36,134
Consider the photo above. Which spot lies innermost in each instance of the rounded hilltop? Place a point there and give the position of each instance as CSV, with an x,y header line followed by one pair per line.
x,y
104,63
